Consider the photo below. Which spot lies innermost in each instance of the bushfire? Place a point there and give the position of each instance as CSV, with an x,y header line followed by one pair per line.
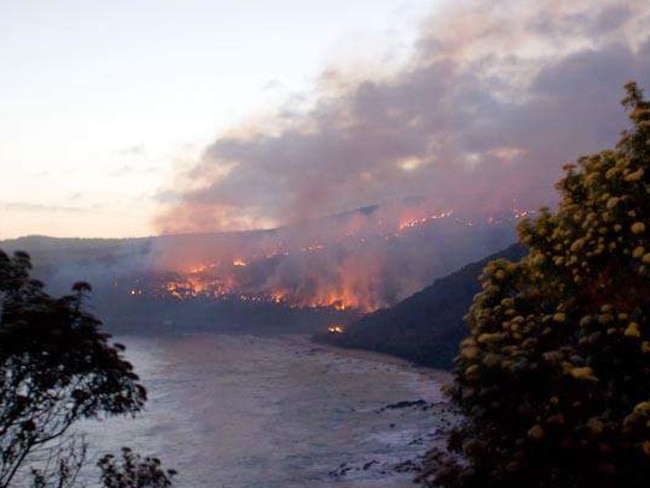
x,y
188,286
408,224
358,262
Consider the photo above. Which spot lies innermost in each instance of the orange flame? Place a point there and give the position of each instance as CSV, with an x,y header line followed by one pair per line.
x,y
350,285
408,224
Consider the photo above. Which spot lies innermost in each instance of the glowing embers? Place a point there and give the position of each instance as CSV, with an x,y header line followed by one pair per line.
x,y
335,329
192,285
228,287
338,300
409,224
322,299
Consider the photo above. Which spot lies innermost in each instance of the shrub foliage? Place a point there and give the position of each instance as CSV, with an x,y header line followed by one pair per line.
x,y
554,379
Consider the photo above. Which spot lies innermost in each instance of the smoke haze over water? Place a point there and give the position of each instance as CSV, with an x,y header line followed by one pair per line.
x,y
494,99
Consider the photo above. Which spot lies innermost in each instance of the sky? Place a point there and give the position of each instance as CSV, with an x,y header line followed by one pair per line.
x,y
131,118
102,102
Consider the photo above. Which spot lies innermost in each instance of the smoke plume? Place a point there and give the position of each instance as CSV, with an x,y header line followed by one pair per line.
x,y
495,98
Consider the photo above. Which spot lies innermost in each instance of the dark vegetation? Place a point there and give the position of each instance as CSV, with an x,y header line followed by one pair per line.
x,y
554,379
57,368
427,327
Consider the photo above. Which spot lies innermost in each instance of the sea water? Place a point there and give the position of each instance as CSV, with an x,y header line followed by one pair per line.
x,y
273,412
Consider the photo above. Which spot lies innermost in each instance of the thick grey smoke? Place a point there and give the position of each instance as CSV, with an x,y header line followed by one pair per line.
x,y
496,98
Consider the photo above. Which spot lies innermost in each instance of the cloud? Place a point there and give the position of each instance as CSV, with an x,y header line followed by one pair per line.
x,y
496,98
272,85
132,171
134,150
38,208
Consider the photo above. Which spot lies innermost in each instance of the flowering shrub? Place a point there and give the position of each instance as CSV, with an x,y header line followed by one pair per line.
x,y
554,379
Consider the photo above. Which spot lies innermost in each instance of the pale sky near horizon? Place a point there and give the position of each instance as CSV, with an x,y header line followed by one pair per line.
x,y
101,101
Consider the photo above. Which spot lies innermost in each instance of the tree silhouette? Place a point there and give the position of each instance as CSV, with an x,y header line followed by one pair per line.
x,y
56,368
554,379
134,471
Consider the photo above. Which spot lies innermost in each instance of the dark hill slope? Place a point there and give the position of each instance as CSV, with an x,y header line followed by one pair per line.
x,y
427,327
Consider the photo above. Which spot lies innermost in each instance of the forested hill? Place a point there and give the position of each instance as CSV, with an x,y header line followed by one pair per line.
x,y
427,327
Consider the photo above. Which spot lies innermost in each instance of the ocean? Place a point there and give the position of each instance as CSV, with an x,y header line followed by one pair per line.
x,y
235,411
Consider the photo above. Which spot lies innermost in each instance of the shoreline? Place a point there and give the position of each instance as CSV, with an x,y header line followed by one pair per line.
x,y
375,416
438,375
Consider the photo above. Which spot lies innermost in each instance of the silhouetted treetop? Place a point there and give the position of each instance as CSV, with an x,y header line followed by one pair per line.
x,y
56,366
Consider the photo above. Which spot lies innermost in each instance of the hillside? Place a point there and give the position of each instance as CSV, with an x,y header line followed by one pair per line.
x,y
427,327
309,274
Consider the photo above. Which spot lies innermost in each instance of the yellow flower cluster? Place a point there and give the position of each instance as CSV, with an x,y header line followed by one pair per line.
x,y
566,331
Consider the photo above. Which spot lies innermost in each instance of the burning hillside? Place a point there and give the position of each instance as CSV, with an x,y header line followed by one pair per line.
x,y
353,262
362,260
